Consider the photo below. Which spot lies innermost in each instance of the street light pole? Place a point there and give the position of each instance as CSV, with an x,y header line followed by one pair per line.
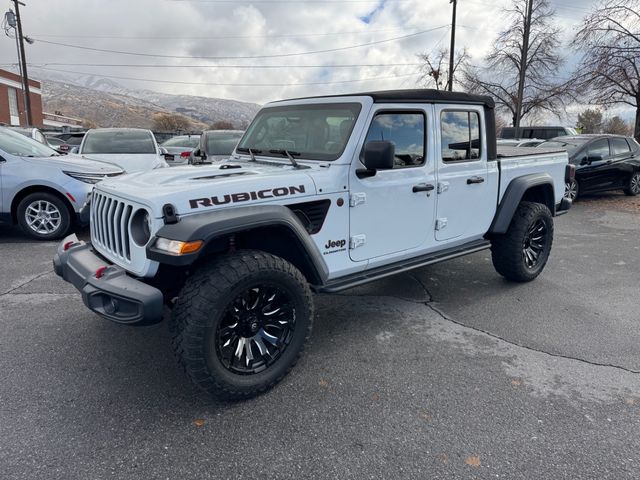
x,y
23,64
453,44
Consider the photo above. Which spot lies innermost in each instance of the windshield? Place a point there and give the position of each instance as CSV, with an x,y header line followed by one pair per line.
x,y
16,144
222,143
189,141
316,132
571,146
118,141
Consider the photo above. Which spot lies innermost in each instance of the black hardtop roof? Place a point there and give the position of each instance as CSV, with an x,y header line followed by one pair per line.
x,y
418,95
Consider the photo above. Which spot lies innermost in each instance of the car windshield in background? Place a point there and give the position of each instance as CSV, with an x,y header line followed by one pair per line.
x,y
14,143
109,141
222,143
315,132
570,146
188,141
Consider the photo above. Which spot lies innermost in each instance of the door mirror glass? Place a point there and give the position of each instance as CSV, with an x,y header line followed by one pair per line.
x,y
379,155
594,157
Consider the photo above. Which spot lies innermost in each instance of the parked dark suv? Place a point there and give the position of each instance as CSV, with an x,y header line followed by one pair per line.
x,y
603,162
541,133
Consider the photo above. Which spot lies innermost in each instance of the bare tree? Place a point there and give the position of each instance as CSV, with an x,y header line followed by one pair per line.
x,y
170,122
617,126
522,68
590,121
434,71
222,125
609,72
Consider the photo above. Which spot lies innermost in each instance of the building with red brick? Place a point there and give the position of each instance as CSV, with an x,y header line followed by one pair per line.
x,y
12,109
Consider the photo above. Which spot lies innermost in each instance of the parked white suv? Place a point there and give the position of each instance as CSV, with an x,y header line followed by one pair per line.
x,y
320,194
132,149
42,191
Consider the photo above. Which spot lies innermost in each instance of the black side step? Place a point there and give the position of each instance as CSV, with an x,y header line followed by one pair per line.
x,y
367,276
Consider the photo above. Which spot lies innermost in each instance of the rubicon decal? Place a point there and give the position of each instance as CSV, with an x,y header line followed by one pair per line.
x,y
245,196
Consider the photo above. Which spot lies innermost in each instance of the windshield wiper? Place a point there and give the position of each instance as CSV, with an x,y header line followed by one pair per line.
x,y
250,151
289,154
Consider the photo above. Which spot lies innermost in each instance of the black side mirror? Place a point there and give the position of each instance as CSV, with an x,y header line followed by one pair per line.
x,y
593,158
379,155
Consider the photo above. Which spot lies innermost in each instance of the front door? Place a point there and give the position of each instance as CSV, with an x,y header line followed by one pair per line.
x,y
466,193
598,173
392,211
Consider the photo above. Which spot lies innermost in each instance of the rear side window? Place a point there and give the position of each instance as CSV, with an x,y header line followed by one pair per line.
x,y
599,148
619,146
460,133
406,131
508,132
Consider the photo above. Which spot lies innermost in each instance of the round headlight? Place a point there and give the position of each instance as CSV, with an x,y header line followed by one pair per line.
x,y
141,227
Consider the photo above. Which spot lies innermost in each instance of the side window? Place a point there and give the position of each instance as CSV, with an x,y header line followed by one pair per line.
x,y
460,132
619,146
599,147
406,130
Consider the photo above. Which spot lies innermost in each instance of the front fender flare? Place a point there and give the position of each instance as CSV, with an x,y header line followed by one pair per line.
x,y
219,223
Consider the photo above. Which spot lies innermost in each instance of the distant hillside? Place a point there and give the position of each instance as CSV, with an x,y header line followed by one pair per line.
x,y
109,104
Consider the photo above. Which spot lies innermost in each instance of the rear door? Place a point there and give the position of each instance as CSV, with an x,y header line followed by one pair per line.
x,y
466,199
620,156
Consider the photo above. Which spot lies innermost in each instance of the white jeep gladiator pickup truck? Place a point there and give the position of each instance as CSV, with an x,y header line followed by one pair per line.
x,y
320,194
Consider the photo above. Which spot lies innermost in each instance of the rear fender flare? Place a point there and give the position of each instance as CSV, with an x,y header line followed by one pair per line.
x,y
514,194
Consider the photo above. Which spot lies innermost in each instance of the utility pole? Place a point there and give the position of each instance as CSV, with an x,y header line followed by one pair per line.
x,y
23,63
453,45
523,63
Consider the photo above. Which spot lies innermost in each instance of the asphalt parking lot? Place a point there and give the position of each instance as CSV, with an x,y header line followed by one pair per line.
x,y
447,372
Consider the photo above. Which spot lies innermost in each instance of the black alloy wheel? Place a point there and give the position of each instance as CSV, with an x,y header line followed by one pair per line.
x,y
256,329
535,243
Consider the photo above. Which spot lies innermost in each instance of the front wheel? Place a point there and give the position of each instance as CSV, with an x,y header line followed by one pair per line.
x,y
240,323
571,190
522,252
633,187
44,216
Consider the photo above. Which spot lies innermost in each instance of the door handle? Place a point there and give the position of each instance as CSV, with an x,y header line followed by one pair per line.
x,y
423,187
475,180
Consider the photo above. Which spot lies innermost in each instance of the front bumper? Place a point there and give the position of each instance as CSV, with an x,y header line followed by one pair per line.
x,y
115,296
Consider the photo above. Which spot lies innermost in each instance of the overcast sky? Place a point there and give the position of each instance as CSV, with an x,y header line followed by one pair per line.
x,y
236,28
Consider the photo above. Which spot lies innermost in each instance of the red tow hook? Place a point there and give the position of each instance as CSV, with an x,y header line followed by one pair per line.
x,y
68,245
100,271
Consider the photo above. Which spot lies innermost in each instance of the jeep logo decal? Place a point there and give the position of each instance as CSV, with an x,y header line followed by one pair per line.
x,y
245,196
335,244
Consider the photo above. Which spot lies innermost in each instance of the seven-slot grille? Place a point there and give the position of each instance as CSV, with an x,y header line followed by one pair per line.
x,y
110,219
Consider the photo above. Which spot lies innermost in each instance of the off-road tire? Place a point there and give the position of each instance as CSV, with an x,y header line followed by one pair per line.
x,y
201,307
64,222
633,186
508,250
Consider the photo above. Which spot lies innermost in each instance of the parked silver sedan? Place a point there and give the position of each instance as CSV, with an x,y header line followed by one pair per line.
x,y
179,149
43,192
215,145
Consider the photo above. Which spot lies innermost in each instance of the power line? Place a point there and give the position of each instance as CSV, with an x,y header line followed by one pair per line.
x,y
178,82
257,67
230,57
218,37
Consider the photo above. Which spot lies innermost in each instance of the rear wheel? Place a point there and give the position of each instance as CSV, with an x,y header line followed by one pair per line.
x,y
522,252
633,187
240,323
44,216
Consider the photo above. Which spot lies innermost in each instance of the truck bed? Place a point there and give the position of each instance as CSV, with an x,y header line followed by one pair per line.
x,y
510,152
